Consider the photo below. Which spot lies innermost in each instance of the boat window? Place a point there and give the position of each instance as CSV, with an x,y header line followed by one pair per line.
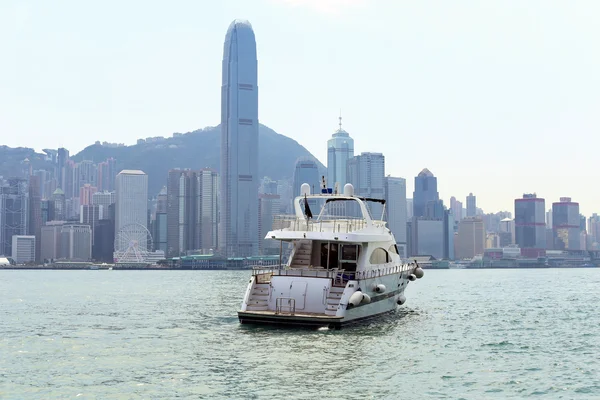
x,y
379,256
393,249
349,252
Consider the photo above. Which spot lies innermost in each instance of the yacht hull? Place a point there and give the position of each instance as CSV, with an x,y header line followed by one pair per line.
x,y
347,314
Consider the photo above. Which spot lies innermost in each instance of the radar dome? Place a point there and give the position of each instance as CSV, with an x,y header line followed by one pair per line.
x,y
305,189
348,189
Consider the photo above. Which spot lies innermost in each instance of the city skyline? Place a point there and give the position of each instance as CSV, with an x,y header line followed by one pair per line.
x,y
524,90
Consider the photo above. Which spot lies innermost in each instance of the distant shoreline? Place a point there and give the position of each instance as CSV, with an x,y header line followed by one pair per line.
x,y
156,268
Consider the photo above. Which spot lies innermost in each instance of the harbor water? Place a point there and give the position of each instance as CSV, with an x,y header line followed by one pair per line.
x,y
470,334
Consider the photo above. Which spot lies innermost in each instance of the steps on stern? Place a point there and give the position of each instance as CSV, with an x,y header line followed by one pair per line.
x,y
259,298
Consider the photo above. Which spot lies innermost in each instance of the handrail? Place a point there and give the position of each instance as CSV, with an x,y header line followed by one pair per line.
x,y
291,305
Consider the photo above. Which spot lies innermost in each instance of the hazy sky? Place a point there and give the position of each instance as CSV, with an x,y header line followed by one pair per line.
x,y
494,97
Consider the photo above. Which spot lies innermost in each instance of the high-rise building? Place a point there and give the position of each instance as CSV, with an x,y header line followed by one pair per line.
x,y
306,171
76,242
470,240
340,149
131,203
87,174
47,211
192,211
50,247
208,206
425,192
104,236
366,172
23,248
427,238
268,207
60,205
566,225
14,212
507,232
62,158
239,143
90,215
471,205
456,207
593,230
35,212
104,199
161,201
530,225
395,204
86,193
409,209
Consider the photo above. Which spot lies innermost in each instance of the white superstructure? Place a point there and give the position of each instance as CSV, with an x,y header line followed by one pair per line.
x,y
341,269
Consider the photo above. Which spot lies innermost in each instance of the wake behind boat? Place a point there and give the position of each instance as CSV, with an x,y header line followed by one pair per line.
x,y
344,266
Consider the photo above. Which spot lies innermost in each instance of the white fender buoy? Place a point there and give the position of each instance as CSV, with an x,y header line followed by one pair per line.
x,y
356,298
379,288
419,272
366,298
401,300
412,277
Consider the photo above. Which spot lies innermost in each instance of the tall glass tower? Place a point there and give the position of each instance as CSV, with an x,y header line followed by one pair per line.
x,y
239,143
426,195
340,148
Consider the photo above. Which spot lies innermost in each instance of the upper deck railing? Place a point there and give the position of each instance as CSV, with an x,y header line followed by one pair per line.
x,y
323,224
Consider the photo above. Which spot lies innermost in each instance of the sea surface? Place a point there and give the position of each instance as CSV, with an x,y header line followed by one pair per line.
x,y
462,334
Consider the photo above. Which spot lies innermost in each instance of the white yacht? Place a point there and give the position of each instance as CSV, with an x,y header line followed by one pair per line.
x,y
344,266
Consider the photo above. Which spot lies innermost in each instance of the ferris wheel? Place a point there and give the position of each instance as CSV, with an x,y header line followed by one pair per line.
x,y
132,244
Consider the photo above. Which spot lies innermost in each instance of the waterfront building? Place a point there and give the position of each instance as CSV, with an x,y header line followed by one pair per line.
x,y
130,212
530,225
35,211
239,143
566,225
76,242
14,212
395,197
471,238
471,205
340,149
23,249
50,246
425,192
192,211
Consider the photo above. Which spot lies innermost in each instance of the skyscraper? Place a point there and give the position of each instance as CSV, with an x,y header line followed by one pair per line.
x,y
456,207
340,149
395,197
192,211
471,205
530,225
239,143
35,212
306,171
14,213
425,192
566,224
131,206
366,173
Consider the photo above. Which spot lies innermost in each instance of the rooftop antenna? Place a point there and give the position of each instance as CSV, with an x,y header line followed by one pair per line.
x,y
340,118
